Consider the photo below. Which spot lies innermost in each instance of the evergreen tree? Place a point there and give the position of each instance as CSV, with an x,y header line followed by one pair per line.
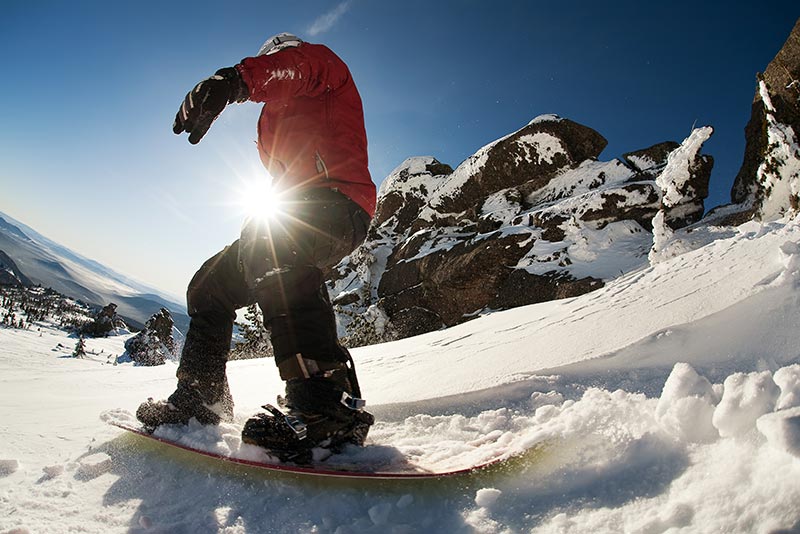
x,y
80,348
256,342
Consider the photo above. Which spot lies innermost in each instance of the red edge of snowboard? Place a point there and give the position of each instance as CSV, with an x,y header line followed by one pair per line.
x,y
312,471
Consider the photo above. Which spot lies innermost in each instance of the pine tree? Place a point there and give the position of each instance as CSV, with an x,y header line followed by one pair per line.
x,y
80,348
256,342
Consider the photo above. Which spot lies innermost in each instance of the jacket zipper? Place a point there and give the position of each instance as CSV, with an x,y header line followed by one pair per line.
x,y
321,167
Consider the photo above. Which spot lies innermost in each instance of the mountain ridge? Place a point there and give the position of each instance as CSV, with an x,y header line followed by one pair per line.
x,y
51,264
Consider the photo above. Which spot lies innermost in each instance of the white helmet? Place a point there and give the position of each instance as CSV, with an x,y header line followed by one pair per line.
x,y
279,42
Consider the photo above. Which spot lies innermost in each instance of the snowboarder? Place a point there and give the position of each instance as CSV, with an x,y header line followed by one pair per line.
x,y
312,140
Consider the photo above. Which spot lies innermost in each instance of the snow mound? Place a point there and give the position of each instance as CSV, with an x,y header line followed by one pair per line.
x,y
782,430
8,466
686,405
746,398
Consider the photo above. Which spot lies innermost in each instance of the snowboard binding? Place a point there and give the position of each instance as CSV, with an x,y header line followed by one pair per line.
x,y
292,436
281,434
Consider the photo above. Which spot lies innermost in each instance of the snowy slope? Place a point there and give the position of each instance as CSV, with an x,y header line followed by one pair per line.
x,y
668,401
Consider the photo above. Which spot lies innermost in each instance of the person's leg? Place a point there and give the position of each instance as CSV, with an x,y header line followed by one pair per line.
x,y
215,293
318,371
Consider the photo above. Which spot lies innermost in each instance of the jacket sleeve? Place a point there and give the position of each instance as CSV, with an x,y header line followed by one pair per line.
x,y
289,73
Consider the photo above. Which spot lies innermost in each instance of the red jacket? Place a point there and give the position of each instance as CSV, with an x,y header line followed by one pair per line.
x,y
311,130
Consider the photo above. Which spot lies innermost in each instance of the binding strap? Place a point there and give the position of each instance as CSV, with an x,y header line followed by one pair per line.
x,y
297,366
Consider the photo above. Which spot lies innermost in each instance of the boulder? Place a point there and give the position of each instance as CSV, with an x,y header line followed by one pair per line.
x,y
404,192
153,345
104,322
532,155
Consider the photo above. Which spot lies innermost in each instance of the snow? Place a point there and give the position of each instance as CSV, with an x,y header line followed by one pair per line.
x,y
407,177
667,401
487,497
677,172
782,430
547,117
580,180
747,397
686,405
452,184
540,147
501,207
8,466
788,379
641,163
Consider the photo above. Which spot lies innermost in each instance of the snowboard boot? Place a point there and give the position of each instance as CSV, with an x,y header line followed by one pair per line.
x,y
208,401
317,412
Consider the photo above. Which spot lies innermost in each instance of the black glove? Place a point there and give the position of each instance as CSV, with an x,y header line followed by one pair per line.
x,y
206,101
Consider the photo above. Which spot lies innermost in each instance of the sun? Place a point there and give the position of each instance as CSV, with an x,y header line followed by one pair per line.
x,y
259,199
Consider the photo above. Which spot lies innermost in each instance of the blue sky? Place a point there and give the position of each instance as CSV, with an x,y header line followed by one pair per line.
x,y
88,158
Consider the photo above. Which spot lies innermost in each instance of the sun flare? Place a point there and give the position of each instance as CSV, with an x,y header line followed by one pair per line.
x,y
259,200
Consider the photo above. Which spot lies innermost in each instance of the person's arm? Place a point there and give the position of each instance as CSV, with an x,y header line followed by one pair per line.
x,y
291,72
288,73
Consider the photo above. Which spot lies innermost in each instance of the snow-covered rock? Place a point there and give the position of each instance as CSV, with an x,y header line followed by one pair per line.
x,y
106,322
530,217
155,344
681,202
534,216
768,183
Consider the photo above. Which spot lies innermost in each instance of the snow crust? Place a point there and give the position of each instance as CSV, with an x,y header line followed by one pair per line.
x,y
667,401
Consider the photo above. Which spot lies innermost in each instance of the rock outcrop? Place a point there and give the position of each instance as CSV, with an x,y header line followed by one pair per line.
x,y
536,216
155,344
531,217
768,183
678,182
104,322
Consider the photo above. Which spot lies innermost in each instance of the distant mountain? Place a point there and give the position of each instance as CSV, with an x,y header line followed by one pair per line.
x,y
50,264
10,274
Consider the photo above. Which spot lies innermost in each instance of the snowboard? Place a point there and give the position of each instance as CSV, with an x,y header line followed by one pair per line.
x,y
372,461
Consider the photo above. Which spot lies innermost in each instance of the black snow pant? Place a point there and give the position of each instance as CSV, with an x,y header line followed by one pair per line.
x,y
281,265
